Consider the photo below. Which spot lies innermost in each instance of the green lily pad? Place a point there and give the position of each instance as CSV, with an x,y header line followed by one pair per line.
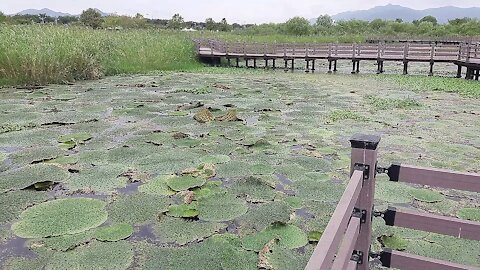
x,y
98,255
394,242
138,208
60,217
185,182
314,236
35,155
262,216
157,186
64,242
289,236
221,207
13,203
184,231
262,169
114,232
294,202
215,159
64,160
426,195
254,189
29,175
183,210
469,214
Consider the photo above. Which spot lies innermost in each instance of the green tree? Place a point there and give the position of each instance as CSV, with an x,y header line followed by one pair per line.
x,y
91,18
378,24
210,24
431,19
324,21
224,26
3,18
298,26
176,22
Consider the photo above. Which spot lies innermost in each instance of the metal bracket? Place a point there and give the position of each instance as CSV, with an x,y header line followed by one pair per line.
x,y
364,168
361,214
357,256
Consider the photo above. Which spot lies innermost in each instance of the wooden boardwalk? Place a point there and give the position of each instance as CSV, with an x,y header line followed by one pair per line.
x,y
462,55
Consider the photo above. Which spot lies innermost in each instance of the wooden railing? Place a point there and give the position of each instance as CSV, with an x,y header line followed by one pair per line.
x,y
387,51
345,243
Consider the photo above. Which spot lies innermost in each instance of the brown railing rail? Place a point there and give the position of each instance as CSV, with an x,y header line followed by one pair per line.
x,y
345,243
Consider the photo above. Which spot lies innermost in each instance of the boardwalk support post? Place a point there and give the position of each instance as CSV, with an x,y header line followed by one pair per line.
x,y
405,67
364,153
354,65
335,66
307,68
459,71
329,66
273,63
358,67
237,64
431,68
313,65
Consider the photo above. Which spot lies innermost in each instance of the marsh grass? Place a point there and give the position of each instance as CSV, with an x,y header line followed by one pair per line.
x,y
391,103
38,54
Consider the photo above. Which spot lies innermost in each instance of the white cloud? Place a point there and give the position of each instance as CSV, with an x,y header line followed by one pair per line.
x,y
251,11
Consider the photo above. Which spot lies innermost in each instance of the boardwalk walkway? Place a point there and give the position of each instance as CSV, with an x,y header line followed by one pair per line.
x,y
462,55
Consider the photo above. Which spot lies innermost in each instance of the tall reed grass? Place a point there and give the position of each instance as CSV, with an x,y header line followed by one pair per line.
x,y
40,54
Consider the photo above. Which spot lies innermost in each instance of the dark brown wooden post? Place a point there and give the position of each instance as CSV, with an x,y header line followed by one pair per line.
x,y
358,67
237,64
364,155
307,68
329,66
313,65
335,65
354,65
273,63
431,68
405,67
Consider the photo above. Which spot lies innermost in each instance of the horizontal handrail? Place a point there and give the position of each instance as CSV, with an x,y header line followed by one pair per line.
x,y
323,255
432,223
434,177
406,261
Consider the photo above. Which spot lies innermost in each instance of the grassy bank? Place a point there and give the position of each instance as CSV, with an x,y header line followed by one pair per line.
x,y
50,54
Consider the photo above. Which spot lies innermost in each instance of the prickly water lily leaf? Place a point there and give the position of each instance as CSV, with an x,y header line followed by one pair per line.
x,y
64,160
217,252
104,179
158,186
29,175
426,195
185,182
114,232
13,203
469,214
35,155
288,236
138,208
283,258
183,210
314,236
203,171
97,255
221,206
394,242
60,217
253,189
184,231
64,242
262,168
215,159
262,216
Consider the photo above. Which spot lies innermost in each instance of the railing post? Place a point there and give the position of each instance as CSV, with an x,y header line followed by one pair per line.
x,y
364,154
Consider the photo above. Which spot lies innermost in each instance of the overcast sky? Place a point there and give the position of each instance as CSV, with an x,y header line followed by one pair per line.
x,y
241,11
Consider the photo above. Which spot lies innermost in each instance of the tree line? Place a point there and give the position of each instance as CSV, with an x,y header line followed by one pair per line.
x,y
324,25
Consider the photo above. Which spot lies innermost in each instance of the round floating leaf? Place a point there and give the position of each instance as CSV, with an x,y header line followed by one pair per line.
x,y
426,195
184,210
254,189
215,159
114,233
64,242
259,218
314,236
262,169
469,214
60,217
185,182
36,154
289,236
29,175
221,207
184,231
394,242
137,208
158,186
13,203
98,255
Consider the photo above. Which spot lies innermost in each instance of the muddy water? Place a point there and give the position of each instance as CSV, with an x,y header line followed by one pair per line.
x,y
14,247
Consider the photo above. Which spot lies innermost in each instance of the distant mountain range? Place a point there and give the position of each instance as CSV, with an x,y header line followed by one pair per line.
x,y
52,13
392,12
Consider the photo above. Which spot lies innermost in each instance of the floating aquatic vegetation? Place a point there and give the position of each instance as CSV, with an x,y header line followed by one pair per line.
x,y
138,208
181,183
319,191
183,210
114,232
215,159
35,155
253,189
204,171
64,160
221,206
265,214
13,203
392,192
87,180
426,195
288,236
393,242
204,116
314,236
29,175
283,258
158,186
469,214
183,231
71,141
63,242
60,217
229,116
